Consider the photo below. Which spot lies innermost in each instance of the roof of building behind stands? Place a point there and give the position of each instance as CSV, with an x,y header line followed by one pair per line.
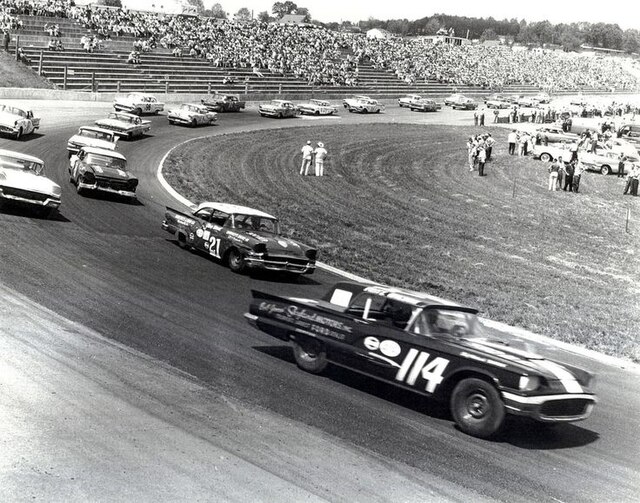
x,y
292,18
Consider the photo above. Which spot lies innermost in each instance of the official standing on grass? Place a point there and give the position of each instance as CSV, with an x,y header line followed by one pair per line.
x,y
512,138
320,154
577,174
307,154
482,158
621,166
489,142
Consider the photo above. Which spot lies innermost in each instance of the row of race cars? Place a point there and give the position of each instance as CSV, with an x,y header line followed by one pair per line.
x,y
408,339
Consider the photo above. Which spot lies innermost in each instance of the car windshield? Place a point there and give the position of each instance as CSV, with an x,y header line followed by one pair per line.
x,y
98,135
256,223
124,118
13,110
451,322
17,163
105,161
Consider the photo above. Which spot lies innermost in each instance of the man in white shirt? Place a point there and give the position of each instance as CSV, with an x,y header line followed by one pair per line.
x,y
512,138
320,153
307,154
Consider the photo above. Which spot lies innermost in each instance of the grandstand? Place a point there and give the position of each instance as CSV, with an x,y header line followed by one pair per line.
x,y
107,70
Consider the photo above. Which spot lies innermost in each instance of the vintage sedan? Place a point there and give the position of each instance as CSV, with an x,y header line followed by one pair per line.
x,y
223,103
604,160
424,105
453,98
542,98
363,105
318,107
423,345
92,136
464,104
192,114
497,101
22,182
138,104
126,125
279,109
554,134
16,121
97,169
407,100
243,238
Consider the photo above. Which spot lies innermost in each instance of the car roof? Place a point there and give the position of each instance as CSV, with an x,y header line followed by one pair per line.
x,y
20,155
198,105
126,114
233,209
138,93
103,151
99,129
314,100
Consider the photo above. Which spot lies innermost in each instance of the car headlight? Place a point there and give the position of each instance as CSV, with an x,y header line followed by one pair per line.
x,y
528,383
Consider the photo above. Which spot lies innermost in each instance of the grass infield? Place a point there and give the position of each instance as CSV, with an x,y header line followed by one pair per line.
x,y
399,206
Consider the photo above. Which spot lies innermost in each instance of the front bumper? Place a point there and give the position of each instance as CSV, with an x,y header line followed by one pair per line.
x,y
551,408
103,188
295,265
8,130
34,198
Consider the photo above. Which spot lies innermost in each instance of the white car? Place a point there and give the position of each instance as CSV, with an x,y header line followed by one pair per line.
x,y
22,181
318,107
192,114
408,100
605,159
17,122
138,103
125,125
92,136
363,105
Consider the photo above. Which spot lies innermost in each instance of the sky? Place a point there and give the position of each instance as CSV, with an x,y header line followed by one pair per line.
x,y
625,13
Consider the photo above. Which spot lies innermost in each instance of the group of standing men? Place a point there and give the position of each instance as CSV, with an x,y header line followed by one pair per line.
x,y
565,175
632,175
479,150
312,156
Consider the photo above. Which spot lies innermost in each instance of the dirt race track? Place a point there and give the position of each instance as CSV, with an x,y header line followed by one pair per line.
x,y
128,373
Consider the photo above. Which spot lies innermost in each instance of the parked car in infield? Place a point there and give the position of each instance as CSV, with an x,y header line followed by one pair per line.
x,y
317,107
453,98
192,114
604,160
363,105
223,103
420,344
279,109
241,237
16,121
406,101
424,105
92,136
22,182
97,169
126,125
138,104
555,134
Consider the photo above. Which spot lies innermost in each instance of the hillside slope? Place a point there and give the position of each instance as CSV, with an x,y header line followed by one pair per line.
x,y
14,74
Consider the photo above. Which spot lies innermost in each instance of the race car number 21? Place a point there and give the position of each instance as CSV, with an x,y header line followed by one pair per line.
x,y
416,364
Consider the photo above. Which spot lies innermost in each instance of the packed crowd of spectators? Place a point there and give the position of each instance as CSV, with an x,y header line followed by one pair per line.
x,y
325,57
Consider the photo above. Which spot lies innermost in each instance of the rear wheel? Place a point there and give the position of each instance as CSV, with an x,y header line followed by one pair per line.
x,y
545,157
310,355
182,241
236,261
605,170
280,115
79,189
138,111
477,408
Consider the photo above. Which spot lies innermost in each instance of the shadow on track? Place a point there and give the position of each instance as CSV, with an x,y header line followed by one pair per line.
x,y
107,196
31,212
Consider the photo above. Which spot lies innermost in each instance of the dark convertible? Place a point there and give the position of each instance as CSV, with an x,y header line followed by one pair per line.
x,y
419,343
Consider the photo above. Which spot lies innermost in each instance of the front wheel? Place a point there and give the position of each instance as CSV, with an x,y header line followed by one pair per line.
x,y
310,355
194,123
236,261
477,408
138,111
605,170
545,157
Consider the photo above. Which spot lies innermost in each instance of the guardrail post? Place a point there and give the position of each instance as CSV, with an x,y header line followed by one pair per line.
x,y
118,86
246,88
40,62
209,88
64,78
280,88
166,87
93,82
17,45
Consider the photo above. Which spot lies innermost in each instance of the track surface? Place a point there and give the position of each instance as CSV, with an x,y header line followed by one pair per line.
x,y
136,376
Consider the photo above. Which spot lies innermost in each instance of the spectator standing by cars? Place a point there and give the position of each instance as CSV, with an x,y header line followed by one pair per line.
x,y
320,154
631,186
489,143
554,169
482,117
621,166
512,138
6,39
577,175
307,156
568,176
475,118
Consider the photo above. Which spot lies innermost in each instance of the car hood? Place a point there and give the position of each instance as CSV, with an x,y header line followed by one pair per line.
x,y
269,106
28,181
92,142
113,173
278,245
115,123
9,119
502,354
